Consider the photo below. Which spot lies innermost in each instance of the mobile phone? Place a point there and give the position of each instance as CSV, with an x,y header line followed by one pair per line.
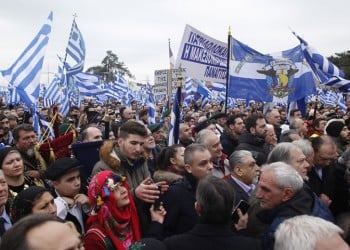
x,y
157,203
243,206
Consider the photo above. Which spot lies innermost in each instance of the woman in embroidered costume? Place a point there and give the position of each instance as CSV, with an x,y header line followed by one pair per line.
x,y
114,222
11,163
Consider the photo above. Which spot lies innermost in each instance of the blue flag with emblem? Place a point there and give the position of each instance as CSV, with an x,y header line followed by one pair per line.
x,y
262,77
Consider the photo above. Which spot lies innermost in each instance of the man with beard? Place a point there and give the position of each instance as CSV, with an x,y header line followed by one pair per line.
x,y
25,139
74,114
7,138
125,156
229,138
253,139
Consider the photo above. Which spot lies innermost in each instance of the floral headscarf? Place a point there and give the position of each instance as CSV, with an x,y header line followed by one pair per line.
x,y
121,226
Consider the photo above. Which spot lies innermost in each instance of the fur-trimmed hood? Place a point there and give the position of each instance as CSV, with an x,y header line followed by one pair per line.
x,y
163,175
109,155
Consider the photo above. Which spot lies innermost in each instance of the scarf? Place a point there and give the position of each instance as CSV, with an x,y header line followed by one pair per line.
x,y
121,226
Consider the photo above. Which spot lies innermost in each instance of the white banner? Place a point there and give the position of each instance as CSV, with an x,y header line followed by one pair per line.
x,y
203,57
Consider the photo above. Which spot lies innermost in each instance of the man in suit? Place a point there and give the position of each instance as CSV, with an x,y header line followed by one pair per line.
x,y
244,171
214,204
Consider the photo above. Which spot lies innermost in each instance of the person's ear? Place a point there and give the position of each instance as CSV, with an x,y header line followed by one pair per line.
x,y
198,208
252,130
288,193
188,168
239,171
172,160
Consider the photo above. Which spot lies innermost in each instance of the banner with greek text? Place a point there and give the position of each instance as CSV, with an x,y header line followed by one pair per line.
x,y
202,56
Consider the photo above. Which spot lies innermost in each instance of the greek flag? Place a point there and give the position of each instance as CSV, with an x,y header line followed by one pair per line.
x,y
188,86
76,50
324,70
259,77
52,93
151,103
175,119
24,74
40,125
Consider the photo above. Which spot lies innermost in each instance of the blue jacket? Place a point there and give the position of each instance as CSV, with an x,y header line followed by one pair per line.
x,y
304,202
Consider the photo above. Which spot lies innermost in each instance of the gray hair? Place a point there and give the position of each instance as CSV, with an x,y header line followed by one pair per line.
x,y
286,175
289,235
238,158
281,152
191,149
203,135
305,146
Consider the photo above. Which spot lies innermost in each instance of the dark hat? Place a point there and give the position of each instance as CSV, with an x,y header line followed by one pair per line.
x,y
61,167
218,115
334,128
23,203
4,152
154,127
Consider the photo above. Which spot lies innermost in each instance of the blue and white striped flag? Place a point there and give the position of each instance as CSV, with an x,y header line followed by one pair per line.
x,y
24,74
52,93
188,86
175,119
151,103
40,125
76,50
325,71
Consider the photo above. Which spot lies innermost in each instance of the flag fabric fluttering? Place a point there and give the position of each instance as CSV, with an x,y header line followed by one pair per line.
x,y
259,77
76,51
24,75
52,93
42,127
325,71
171,58
151,103
175,119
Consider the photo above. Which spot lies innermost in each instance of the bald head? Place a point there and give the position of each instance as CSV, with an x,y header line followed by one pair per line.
x,y
91,134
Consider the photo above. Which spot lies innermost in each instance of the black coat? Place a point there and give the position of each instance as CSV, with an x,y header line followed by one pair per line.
x,y
240,194
252,143
179,201
209,237
228,143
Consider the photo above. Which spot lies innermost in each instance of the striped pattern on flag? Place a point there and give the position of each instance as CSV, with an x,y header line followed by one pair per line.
x,y
24,74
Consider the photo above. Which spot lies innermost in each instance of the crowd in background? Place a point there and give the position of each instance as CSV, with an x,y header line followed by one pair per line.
x,y
234,180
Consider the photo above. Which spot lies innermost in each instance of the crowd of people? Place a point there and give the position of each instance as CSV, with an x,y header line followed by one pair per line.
x,y
241,179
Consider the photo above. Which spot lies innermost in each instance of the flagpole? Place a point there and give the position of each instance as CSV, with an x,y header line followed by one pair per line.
x,y
70,35
170,77
228,66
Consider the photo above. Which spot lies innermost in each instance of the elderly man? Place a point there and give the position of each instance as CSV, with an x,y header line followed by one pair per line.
x,y
316,233
282,196
274,118
243,174
220,161
25,140
292,155
324,178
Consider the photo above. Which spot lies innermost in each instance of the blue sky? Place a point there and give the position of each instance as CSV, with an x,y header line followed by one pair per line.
x,y
138,31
